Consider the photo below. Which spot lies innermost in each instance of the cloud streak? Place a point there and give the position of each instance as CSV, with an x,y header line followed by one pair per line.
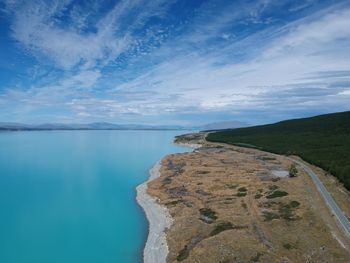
x,y
248,61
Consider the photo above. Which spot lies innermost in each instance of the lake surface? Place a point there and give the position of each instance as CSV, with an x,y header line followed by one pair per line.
x,y
69,196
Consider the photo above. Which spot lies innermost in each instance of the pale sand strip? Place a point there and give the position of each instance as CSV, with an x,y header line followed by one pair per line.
x,y
156,248
194,146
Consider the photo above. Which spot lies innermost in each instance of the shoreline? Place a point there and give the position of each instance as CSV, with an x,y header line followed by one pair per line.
x,y
193,146
159,219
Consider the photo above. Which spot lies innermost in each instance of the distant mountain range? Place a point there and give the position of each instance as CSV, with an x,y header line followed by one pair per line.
x,y
90,126
11,126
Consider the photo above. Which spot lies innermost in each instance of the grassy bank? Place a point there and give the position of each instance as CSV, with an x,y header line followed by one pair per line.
x,y
321,140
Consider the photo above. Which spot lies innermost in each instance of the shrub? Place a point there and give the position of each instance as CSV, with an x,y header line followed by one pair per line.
x,y
293,171
239,194
256,258
207,215
221,227
242,189
175,202
277,194
287,210
183,254
266,158
288,246
294,204
273,187
268,216
258,195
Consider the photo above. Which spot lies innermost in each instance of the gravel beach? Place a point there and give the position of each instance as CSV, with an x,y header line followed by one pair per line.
x,y
156,249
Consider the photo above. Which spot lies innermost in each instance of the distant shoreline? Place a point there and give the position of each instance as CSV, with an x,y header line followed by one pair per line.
x,y
16,130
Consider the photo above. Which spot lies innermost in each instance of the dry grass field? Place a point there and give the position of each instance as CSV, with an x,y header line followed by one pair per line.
x,y
228,206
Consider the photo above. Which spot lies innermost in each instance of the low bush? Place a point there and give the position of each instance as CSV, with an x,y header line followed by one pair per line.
x,y
268,216
221,227
242,189
207,215
183,254
258,195
277,194
240,194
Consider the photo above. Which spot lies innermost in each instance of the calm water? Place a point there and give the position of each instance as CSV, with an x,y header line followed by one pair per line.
x,y
69,196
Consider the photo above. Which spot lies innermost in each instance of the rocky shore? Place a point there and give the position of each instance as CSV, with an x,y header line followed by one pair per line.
x,y
156,249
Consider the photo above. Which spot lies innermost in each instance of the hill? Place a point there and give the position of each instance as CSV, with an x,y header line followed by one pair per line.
x,y
322,140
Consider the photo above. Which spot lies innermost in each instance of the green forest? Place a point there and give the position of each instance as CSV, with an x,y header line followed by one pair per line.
x,y
322,140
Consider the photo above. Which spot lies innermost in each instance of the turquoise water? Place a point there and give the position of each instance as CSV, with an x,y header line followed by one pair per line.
x,y
69,196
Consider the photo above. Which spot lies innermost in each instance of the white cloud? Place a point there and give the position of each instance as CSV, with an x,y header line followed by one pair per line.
x,y
266,71
35,27
345,92
208,85
83,79
313,36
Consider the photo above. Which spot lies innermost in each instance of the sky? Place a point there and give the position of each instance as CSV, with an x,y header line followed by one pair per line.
x,y
174,62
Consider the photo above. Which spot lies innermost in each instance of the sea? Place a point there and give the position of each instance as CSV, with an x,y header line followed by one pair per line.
x,y
69,196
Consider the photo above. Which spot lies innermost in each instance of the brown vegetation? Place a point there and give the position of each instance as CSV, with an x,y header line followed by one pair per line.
x,y
228,207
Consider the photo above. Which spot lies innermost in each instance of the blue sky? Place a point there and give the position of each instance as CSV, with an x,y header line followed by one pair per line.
x,y
173,61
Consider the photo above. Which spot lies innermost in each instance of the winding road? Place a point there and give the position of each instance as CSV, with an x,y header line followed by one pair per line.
x,y
336,211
